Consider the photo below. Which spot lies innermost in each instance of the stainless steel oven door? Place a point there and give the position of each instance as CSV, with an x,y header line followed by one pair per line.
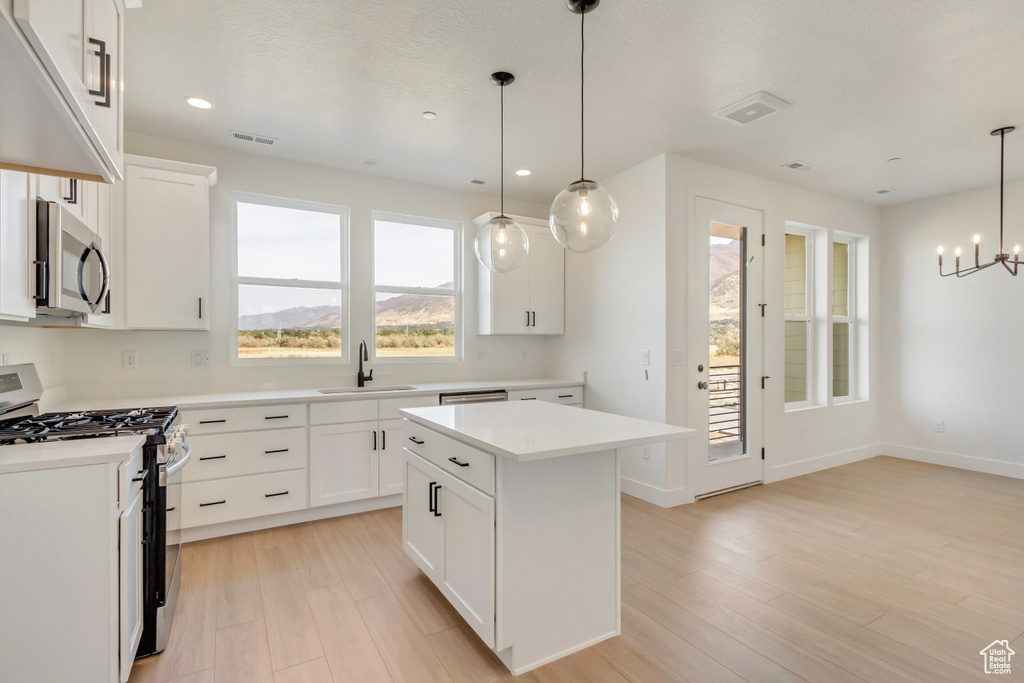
x,y
72,272
170,482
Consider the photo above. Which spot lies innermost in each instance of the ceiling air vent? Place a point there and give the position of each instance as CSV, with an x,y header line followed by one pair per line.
x,y
477,181
253,137
798,166
757,106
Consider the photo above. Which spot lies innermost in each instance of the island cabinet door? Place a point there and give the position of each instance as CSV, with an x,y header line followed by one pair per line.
x,y
468,579
422,524
343,463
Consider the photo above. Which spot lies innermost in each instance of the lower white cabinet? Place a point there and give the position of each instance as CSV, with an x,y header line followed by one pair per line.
x,y
449,528
130,583
390,457
227,500
343,463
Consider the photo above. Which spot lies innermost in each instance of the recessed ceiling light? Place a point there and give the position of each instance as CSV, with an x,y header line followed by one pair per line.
x,y
199,103
523,171
429,115
371,162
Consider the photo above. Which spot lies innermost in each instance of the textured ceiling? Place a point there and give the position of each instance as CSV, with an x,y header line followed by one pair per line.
x,y
338,81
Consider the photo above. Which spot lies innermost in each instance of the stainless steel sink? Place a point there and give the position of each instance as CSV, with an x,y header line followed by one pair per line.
x,y
366,390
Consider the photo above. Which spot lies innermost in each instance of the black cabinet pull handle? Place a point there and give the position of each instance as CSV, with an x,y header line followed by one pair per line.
x,y
171,509
104,58
213,457
274,495
212,422
276,417
383,439
535,319
456,461
529,398
566,395
276,450
374,439
219,502
437,489
72,192
416,441
430,497
200,308
142,475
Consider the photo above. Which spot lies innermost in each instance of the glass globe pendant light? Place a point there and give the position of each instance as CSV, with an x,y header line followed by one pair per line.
x,y
501,244
583,215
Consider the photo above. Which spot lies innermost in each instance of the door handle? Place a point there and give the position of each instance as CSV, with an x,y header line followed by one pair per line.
x,y
702,385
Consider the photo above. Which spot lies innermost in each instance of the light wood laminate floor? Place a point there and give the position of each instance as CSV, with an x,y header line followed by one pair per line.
x,y
882,570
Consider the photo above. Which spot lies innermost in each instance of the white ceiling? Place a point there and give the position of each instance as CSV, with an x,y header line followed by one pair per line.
x,y
338,81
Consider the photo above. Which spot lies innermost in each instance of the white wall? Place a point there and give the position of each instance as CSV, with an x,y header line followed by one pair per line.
x,y
953,346
94,364
631,296
42,346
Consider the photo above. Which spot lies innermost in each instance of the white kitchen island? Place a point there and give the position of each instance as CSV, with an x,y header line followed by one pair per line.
x,y
512,510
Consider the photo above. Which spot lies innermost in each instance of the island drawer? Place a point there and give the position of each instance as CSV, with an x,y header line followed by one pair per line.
x,y
243,419
473,466
566,395
215,456
225,500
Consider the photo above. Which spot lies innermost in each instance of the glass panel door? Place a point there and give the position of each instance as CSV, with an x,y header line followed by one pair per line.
x,y
727,304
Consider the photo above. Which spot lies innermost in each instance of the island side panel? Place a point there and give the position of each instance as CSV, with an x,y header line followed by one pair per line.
x,y
557,557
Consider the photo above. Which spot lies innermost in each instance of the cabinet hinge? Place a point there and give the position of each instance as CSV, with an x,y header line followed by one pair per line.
x,y
762,454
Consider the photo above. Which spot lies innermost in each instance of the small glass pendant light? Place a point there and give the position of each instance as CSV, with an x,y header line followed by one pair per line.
x,y
583,215
501,244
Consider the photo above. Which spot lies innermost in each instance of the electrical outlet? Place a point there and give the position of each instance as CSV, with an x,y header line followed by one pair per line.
x,y
200,358
801,433
646,455
645,357
130,360
940,426
7,359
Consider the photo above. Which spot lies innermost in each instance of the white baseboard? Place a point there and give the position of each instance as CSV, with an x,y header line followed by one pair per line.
x,y
958,460
666,498
821,462
240,526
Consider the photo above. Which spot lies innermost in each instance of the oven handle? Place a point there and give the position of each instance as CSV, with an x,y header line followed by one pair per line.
x,y
178,462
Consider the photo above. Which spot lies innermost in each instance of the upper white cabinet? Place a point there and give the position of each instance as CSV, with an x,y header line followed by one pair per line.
x,y
167,244
64,60
530,299
17,247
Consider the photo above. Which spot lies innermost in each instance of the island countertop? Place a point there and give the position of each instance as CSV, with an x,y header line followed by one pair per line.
x,y
534,430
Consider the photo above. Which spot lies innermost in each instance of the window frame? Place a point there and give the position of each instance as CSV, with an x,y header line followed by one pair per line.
x,y
343,285
850,319
457,229
809,317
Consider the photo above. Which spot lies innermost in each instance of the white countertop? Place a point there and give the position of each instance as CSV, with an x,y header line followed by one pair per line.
x,y
75,453
195,401
533,430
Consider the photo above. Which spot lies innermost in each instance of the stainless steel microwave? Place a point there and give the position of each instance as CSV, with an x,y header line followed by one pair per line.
x,y
72,275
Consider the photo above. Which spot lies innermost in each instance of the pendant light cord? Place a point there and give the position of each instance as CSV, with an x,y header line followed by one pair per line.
x,y
583,17
1002,165
502,149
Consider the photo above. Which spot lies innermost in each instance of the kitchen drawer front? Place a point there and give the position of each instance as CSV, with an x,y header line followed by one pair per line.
x,y
566,395
389,407
248,418
477,468
216,456
225,500
334,412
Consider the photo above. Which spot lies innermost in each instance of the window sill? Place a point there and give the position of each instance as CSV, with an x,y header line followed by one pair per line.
x,y
848,401
799,408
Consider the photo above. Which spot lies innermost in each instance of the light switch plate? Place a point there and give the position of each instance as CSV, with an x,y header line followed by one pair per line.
x,y
6,359
645,357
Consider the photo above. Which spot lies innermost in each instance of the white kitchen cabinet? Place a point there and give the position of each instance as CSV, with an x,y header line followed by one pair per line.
x,y
167,244
17,247
422,528
130,584
390,457
343,462
530,299
65,62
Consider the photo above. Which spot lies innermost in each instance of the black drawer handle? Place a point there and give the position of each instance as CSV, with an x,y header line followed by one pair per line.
x,y
171,509
416,441
456,461
278,450
212,422
273,495
219,502
142,475
276,417
531,398
567,396
213,457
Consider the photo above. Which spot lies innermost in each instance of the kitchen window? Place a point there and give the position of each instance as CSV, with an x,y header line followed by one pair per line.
x,y
799,324
290,279
416,285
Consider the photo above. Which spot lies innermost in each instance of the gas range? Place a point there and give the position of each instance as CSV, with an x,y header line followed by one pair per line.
x,y
87,424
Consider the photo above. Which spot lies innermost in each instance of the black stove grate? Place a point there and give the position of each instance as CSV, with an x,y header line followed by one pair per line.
x,y
86,425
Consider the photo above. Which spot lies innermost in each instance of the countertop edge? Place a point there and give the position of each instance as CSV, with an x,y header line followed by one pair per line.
x,y
59,455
